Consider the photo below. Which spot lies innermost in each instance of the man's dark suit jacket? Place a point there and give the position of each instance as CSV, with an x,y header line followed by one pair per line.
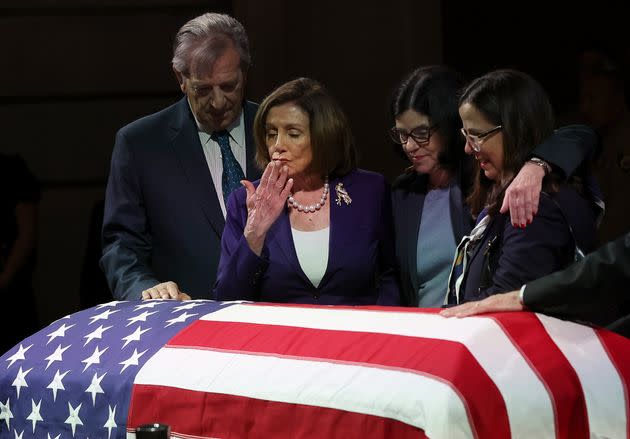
x,y
163,220
588,288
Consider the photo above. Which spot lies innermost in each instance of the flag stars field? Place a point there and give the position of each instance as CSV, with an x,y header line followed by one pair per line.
x,y
73,417
97,333
57,384
20,380
57,355
95,387
60,332
140,317
19,355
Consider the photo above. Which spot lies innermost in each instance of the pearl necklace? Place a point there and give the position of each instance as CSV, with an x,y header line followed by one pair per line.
x,y
313,207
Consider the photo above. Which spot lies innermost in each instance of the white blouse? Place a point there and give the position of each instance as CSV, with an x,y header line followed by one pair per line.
x,y
312,252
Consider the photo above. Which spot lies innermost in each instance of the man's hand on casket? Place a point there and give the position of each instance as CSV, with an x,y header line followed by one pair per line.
x,y
165,290
497,303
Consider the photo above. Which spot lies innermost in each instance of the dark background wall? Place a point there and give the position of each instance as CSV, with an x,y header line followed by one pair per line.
x,y
71,75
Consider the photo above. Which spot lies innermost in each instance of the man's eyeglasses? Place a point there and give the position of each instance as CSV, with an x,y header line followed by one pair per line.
x,y
202,91
476,140
421,135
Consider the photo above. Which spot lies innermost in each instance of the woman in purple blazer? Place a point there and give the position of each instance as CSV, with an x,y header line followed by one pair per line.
x,y
314,229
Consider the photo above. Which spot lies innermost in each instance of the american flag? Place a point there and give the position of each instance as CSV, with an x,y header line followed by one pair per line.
x,y
244,370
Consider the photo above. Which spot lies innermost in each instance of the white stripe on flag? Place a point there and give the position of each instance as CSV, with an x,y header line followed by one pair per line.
x,y
521,388
602,386
409,397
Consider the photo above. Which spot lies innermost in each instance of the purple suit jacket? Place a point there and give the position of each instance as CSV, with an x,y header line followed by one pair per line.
x,y
361,261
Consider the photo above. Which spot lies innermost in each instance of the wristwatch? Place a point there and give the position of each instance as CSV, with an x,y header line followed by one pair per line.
x,y
540,162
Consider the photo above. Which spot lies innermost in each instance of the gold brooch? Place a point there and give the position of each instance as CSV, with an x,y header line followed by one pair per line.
x,y
342,194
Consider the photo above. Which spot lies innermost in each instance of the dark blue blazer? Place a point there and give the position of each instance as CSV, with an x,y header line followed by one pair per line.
x,y
593,290
507,257
163,220
361,252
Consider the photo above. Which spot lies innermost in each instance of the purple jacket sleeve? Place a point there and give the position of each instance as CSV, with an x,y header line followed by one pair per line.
x,y
239,267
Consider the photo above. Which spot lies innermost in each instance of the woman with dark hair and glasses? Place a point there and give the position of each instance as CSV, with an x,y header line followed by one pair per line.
x,y
505,114
430,214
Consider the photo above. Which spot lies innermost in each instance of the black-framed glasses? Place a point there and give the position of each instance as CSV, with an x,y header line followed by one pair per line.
x,y
476,140
421,135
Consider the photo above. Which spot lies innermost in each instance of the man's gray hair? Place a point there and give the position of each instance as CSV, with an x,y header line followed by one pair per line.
x,y
203,39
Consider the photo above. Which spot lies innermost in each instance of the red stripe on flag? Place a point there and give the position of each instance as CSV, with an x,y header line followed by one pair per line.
x,y
226,416
449,362
553,369
618,350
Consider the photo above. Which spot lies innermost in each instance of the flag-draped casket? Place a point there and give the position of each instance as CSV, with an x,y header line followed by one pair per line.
x,y
245,370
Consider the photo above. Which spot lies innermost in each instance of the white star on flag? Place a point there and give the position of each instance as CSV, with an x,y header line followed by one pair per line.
x,y
59,332
149,304
20,380
190,305
35,416
103,316
111,423
56,437
181,318
95,387
56,356
19,355
5,412
18,436
135,336
95,358
73,417
56,383
97,333
112,303
140,317
133,360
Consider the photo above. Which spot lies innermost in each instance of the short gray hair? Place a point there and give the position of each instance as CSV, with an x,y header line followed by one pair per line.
x,y
203,39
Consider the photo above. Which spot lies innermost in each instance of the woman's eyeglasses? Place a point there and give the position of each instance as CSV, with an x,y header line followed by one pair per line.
x,y
421,135
476,140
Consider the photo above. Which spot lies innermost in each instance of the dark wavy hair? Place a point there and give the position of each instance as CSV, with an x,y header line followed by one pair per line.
x,y
433,91
518,102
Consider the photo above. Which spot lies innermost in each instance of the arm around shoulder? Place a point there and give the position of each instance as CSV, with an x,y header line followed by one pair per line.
x,y
568,148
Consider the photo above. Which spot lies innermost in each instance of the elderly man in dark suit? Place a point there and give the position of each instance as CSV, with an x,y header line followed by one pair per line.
x,y
172,171
582,291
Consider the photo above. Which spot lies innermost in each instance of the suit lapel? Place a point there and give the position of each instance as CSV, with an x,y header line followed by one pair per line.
x,y
412,207
342,222
488,234
187,147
